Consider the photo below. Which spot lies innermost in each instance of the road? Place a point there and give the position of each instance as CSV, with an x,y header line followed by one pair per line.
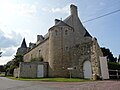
x,y
8,84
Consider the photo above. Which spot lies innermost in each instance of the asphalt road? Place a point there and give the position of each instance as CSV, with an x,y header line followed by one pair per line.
x,y
8,84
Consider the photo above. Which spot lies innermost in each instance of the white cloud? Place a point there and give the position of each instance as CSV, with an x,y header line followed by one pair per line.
x,y
9,42
57,10
9,39
27,10
9,9
8,51
4,60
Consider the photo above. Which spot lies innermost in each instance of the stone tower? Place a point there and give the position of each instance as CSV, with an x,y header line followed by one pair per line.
x,y
60,42
23,48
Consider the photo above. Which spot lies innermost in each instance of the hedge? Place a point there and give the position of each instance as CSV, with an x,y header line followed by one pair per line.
x,y
113,66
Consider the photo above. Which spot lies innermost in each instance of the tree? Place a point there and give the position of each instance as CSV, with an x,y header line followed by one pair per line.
x,y
110,57
18,58
119,58
14,63
7,67
2,68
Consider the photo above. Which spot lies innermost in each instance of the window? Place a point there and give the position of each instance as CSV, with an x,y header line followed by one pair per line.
x,y
56,32
39,53
66,32
31,56
66,49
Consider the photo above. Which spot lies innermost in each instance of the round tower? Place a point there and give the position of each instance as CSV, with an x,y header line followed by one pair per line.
x,y
60,41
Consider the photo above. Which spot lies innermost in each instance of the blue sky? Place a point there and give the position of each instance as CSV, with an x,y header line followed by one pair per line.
x,y
28,18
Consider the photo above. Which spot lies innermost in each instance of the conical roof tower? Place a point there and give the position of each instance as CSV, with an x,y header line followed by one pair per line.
x,y
23,45
23,48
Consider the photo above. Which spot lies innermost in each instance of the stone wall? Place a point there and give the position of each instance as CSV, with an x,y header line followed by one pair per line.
x,y
16,72
80,53
41,50
29,69
96,53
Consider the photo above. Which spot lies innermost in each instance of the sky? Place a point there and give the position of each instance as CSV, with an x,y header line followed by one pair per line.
x,y
29,18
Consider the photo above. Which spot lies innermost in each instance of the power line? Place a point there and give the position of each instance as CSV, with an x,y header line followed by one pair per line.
x,y
106,8
102,16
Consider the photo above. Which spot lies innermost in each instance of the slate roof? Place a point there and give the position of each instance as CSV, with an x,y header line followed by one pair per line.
x,y
61,23
87,34
23,45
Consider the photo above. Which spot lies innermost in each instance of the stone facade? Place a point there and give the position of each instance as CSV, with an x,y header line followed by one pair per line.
x,y
67,44
29,69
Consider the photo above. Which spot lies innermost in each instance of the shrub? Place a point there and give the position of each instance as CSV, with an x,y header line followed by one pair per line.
x,y
113,66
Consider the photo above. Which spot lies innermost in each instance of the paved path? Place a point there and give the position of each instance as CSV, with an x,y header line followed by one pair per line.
x,y
8,84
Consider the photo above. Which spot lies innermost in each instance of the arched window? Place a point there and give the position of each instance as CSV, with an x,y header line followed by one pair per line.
x,y
31,56
56,32
66,32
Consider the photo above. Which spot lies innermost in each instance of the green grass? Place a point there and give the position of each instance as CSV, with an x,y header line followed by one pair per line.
x,y
2,75
51,79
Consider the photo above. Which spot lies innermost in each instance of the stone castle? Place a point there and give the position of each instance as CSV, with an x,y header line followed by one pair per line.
x,y
67,47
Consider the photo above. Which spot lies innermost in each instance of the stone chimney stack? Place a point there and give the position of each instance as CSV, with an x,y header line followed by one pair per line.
x,y
40,38
56,21
73,10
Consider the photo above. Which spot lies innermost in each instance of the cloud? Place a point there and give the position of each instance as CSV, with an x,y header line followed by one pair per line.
x,y
4,60
9,9
27,10
64,10
12,39
8,51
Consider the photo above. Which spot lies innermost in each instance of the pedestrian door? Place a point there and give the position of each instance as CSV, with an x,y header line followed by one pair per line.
x,y
87,70
40,71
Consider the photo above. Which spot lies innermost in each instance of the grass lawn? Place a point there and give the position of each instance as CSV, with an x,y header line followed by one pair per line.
x,y
2,74
51,79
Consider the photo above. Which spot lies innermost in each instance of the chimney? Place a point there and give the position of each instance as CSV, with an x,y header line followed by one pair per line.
x,y
73,9
32,45
40,38
56,21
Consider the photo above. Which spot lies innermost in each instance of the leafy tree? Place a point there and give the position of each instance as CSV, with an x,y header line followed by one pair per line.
x,y
113,66
18,58
7,67
110,57
119,58
14,63
2,68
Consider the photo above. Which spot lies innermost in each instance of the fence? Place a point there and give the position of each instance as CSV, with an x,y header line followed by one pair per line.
x,y
114,74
